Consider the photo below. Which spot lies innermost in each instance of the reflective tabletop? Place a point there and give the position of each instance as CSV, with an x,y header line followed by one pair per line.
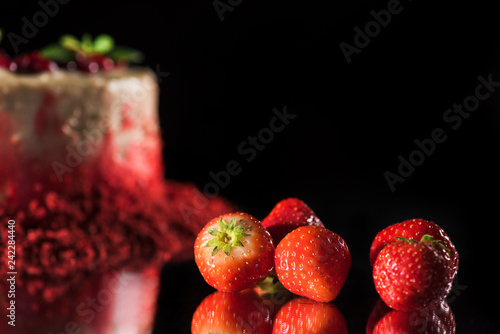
x,y
188,305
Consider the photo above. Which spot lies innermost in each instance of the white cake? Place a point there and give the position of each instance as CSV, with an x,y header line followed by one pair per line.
x,y
67,120
81,175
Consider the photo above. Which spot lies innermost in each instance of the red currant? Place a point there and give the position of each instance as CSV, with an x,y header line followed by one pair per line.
x,y
4,60
94,63
22,63
32,63
40,65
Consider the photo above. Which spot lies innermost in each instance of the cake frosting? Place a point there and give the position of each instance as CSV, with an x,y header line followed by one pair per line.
x,y
81,174
54,122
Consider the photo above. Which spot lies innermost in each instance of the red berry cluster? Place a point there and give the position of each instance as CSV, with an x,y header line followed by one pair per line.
x,y
91,64
35,62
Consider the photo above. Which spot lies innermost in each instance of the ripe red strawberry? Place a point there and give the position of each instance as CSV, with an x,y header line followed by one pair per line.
x,y
313,262
436,321
413,275
286,216
232,312
303,315
234,252
379,310
413,229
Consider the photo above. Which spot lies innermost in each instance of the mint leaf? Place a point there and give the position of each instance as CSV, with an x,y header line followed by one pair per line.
x,y
86,45
56,52
129,55
70,42
103,44
70,46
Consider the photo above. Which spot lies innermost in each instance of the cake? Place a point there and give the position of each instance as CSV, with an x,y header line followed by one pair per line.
x,y
55,123
84,205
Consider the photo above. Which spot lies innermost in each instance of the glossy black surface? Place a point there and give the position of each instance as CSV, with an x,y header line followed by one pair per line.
x,y
220,81
183,289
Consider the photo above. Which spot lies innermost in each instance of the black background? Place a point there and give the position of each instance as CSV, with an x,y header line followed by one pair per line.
x,y
352,121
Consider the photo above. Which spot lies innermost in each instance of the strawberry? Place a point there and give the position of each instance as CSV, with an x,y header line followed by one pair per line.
x,y
413,275
274,294
232,312
303,315
286,216
379,310
413,229
313,262
234,252
436,321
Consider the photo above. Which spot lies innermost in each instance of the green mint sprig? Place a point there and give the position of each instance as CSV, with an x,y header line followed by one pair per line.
x,y
69,47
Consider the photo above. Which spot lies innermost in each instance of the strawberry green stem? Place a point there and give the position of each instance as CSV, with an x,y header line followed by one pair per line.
x,y
226,236
426,238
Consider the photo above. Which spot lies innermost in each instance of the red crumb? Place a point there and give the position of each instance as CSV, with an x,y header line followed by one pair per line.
x,y
64,238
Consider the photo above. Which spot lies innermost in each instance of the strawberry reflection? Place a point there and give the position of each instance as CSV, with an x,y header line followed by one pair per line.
x,y
384,320
233,312
303,315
